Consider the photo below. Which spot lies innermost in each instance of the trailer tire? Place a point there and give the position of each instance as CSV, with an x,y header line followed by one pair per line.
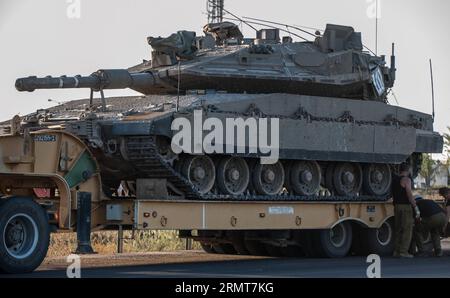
x,y
379,241
305,239
274,251
224,249
255,248
24,235
333,243
293,251
208,248
237,239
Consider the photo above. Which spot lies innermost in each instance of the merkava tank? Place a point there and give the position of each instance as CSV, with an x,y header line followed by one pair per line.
x,y
330,123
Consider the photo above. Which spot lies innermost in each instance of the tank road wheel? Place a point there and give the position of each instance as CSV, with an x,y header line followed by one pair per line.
x,y
233,175
24,235
377,179
305,177
268,179
200,171
347,179
379,241
333,243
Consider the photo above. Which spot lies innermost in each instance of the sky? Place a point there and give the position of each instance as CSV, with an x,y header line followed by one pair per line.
x,y
49,37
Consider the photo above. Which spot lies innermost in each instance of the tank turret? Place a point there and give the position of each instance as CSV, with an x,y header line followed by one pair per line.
x,y
333,65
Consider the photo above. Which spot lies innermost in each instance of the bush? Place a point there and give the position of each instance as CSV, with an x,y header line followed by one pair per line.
x,y
105,242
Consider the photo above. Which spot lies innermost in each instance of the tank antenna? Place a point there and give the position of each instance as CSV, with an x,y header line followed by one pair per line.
x,y
281,24
270,26
376,28
240,19
432,88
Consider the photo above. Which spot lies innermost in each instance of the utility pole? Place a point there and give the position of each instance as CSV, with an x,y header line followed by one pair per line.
x,y
215,9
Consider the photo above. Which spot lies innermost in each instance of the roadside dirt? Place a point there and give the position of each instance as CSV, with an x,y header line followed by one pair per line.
x,y
134,259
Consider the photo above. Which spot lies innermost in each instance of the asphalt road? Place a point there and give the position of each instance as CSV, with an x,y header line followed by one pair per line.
x,y
354,267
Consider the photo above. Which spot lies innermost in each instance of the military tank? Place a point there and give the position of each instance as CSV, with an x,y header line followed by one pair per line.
x,y
338,137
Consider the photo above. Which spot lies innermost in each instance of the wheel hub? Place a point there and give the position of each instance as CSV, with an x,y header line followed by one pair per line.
x,y
15,234
349,178
377,176
306,176
199,173
338,235
233,174
269,176
20,236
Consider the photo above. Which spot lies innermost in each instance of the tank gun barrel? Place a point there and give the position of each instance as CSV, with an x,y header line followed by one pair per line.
x,y
100,80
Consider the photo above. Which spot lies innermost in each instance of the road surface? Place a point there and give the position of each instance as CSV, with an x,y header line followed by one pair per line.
x,y
197,264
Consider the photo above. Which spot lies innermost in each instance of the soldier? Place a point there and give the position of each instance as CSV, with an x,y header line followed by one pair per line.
x,y
433,220
445,193
404,204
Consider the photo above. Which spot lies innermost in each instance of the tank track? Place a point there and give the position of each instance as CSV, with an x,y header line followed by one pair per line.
x,y
145,156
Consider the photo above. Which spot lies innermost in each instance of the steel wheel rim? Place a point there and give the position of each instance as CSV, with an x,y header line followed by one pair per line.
x,y
384,234
20,236
263,184
347,179
379,179
306,177
338,235
235,175
201,173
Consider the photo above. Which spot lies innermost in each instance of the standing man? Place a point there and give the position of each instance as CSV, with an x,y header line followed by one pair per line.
x,y
404,207
433,220
445,193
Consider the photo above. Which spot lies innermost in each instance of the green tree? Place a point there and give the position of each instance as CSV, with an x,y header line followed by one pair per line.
x,y
428,170
447,149
447,142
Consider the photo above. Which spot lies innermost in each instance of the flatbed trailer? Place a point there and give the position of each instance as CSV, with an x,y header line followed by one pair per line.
x,y
50,182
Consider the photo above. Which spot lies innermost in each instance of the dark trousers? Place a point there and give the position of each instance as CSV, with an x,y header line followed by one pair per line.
x,y
404,224
433,225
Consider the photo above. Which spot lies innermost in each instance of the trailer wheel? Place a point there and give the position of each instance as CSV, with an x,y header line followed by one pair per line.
x,y
274,251
293,251
208,248
237,239
333,243
24,235
255,248
379,241
224,249
305,240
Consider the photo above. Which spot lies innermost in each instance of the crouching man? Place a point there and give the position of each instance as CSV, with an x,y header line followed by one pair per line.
x,y
445,193
433,220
